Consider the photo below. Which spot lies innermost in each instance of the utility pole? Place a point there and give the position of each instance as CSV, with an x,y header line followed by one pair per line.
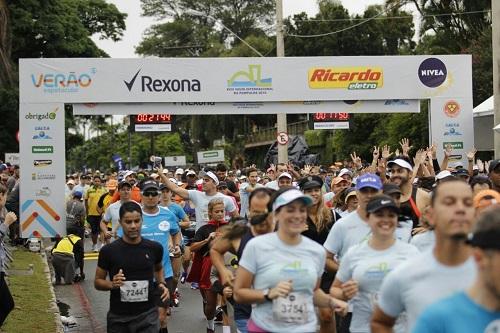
x,y
280,52
495,43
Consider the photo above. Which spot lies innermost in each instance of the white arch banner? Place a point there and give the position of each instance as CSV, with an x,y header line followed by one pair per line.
x,y
276,84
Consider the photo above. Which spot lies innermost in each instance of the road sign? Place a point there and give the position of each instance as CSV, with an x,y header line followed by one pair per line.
x,y
282,138
211,156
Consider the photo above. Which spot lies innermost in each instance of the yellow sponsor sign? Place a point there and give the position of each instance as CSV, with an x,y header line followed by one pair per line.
x,y
351,78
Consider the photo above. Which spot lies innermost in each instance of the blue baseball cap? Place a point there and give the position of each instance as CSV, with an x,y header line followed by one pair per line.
x,y
368,180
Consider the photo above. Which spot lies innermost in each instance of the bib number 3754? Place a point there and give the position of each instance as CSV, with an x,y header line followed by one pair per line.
x,y
134,291
291,309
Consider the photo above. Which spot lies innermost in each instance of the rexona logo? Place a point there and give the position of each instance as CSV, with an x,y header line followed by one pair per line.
x,y
43,116
150,84
70,82
351,78
432,72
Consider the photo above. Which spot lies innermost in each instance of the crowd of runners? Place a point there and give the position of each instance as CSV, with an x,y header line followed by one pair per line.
x,y
402,243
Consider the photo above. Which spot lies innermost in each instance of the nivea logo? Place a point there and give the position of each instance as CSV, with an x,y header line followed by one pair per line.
x,y
432,72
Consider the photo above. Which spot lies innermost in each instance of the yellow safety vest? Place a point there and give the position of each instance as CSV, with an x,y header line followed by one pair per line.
x,y
66,244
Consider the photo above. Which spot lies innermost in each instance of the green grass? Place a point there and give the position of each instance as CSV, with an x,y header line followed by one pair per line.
x,y
32,312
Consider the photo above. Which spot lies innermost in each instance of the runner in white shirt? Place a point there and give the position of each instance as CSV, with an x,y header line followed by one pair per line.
x,y
284,286
352,229
112,213
246,189
436,274
201,199
365,265
280,168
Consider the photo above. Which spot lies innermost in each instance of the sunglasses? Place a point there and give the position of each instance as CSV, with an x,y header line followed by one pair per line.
x,y
150,194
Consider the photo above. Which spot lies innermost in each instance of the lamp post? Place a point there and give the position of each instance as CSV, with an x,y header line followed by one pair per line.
x,y
280,52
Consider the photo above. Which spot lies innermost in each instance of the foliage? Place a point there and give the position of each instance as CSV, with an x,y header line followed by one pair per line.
x,y
48,28
111,140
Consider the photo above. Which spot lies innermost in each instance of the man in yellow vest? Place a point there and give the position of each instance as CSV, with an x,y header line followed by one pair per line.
x,y
67,255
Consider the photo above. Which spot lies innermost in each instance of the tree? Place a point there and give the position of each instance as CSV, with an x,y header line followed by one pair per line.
x,y
47,28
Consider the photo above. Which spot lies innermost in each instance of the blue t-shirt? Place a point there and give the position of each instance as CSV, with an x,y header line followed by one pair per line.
x,y
178,211
157,227
457,314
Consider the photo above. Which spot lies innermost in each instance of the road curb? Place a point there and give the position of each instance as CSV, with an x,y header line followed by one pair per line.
x,y
53,300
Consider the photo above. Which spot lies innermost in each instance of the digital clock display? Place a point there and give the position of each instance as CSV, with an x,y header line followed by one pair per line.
x,y
328,117
146,118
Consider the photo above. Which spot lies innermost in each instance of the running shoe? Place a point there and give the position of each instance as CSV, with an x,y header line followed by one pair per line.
x,y
209,330
175,298
194,286
183,277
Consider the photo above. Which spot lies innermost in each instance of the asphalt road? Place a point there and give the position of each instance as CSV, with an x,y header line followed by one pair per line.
x,y
89,306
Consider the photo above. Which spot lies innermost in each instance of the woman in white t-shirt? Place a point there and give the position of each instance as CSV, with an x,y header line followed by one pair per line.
x,y
280,272
365,265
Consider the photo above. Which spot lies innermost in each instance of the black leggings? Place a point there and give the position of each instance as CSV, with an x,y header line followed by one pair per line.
x,y
6,300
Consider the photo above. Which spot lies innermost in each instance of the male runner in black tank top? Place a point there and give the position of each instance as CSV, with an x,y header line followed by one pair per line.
x,y
413,199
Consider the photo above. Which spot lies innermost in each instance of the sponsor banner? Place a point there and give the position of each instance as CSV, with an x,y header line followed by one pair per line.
x,y
210,156
12,158
174,161
370,106
42,160
451,123
331,125
153,127
107,80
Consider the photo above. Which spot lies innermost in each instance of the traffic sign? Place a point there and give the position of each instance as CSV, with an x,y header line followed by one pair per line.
x,y
282,138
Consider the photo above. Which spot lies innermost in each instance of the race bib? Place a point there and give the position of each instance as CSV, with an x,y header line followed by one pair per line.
x,y
134,291
291,309
204,213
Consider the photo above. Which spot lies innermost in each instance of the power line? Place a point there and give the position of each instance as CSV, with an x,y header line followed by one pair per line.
x,y
393,17
347,28
376,17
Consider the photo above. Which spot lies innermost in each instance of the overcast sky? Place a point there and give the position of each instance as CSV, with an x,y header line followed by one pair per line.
x,y
136,24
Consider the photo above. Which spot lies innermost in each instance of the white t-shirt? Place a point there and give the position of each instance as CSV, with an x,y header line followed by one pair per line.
x,y
244,198
272,261
112,214
403,231
421,281
424,241
201,200
273,184
369,267
348,231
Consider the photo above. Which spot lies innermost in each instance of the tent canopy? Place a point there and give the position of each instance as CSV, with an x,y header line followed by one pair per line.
x,y
484,109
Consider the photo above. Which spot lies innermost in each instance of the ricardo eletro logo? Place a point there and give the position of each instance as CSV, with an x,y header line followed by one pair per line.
x,y
250,82
58,82
432,72
151,84
350,78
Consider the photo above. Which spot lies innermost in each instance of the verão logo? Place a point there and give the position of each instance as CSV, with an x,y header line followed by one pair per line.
x,y
351,78
150,84
62,82
432,72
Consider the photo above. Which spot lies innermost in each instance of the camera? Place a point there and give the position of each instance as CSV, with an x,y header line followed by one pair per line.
x,y
156,161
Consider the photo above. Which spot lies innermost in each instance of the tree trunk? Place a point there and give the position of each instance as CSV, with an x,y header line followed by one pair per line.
x,y
6,68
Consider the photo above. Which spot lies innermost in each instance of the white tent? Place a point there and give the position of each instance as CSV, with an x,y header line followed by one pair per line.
x,y
484,109
483,125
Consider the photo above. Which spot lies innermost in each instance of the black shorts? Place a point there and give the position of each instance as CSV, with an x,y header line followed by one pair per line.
x,y
158,291
95,223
